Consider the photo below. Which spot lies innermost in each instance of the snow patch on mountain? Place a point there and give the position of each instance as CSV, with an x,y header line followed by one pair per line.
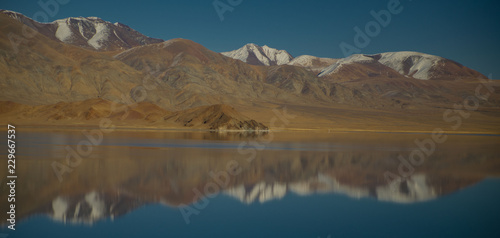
x,y
312,63
167,43
87,32
12,14
119,38
334,68
264,55
101,35
407,63
81,30
63,32
279,56
421,64
303,60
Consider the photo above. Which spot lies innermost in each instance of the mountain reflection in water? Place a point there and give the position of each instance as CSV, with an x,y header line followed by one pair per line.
x,y
132,169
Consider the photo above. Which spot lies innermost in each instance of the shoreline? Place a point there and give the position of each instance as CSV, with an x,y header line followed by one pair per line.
x,y
315,130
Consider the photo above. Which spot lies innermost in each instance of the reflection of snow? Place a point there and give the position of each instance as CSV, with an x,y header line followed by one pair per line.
x,y
88,210
60,207
264,192
92,206
98,208
414,189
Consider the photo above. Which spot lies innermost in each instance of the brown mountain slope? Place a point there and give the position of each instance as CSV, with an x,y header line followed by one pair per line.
x,y
82,112
43,71
203,75
362,70
219,116
180,74
144,114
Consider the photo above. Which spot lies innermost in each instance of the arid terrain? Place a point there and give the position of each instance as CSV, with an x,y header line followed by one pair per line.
x,y
53,79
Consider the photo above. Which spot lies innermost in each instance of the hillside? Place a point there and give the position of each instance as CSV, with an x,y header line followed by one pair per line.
x,y
141,115
361,92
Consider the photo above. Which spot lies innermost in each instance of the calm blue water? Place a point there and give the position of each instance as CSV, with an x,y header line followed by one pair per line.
x,y
132,187
472,212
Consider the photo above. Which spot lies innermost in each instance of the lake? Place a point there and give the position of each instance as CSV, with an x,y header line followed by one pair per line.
x,y
74,183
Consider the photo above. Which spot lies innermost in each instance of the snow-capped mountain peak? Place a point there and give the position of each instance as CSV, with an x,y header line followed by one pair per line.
x,y
99,34
95,31
257,55
356,58
415,64
312,63
404,63
87,32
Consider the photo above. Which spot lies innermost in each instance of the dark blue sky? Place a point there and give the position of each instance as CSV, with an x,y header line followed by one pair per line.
x,y
466,31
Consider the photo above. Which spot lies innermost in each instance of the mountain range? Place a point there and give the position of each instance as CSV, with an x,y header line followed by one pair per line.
x,y
405,64
91,62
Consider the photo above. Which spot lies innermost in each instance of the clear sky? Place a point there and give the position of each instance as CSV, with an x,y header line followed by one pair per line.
x,y
466,31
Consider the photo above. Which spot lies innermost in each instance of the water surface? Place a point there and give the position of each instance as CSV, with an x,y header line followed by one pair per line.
x,y
287,184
